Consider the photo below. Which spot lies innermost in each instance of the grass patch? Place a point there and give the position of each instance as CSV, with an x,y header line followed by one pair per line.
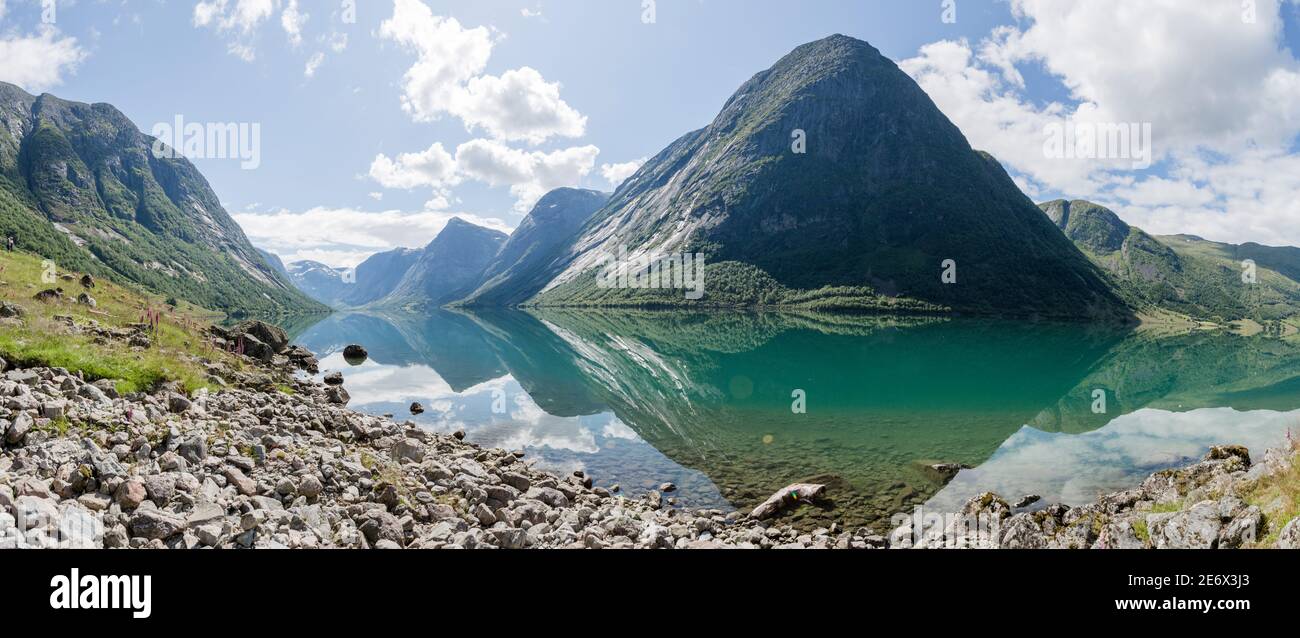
x,y
1166,508
1279,497
178,346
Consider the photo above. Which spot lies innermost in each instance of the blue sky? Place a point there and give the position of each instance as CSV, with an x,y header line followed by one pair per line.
x,y
421,110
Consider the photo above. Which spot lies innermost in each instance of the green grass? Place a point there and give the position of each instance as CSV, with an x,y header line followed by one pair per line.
x,y
178,347
1279,497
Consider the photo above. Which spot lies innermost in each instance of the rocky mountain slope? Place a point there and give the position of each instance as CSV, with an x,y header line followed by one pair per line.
x,y
449,268
886,191
527,261
378,275
1184,274
79,185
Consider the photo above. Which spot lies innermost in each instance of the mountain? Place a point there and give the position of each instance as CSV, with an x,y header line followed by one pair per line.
x,y
321,282
1183,273
378,275
886,191
80,185
274,261
525,263
449,268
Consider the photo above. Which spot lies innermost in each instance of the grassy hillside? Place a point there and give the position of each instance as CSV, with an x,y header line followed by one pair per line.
x,y
41,335
80,184
1183,276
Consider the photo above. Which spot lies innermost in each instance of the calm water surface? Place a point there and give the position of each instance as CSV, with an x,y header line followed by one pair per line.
x,y
710,401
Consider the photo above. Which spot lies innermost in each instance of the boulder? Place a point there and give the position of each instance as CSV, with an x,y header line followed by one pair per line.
x,y
272,336
1290,536
355,354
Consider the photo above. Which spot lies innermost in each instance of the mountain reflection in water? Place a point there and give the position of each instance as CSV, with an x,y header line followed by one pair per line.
x,y
706,400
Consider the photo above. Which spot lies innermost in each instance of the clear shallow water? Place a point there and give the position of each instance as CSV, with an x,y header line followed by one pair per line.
x,y
705,400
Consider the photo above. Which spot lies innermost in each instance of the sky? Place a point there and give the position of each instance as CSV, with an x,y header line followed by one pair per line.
x,y
376,121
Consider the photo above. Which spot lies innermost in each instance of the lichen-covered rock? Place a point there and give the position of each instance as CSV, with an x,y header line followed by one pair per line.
x,y
1289,538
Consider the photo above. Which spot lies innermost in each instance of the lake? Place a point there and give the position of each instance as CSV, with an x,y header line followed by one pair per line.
x,y
731,406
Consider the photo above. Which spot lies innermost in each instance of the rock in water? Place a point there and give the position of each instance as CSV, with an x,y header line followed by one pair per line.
x,y
1027,500
416,408
355,354
787,497
334,378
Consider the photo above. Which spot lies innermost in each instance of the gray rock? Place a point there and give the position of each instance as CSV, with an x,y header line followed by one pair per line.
x,y
310,486
509,538
1290,536
484,515
1243,529
409,450
160,488
242,483
18,428
80,529
193,449
516,480
178,403
153,523
1194,528
337,395
1027,500
130,494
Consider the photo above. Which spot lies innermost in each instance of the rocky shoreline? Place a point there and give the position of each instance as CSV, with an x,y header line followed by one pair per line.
x,y
275,461
1201,506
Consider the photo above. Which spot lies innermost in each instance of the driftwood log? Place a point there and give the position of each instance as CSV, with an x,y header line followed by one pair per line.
x,y
787,497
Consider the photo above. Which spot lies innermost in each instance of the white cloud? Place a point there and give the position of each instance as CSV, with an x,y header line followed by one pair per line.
x,y
337,42
3,10
39,61
529,174
518,105
313,63
1204,77
239,21
291,20
1223,116
243,15
616,174
530,13
434,168
343,237
447,78
447,56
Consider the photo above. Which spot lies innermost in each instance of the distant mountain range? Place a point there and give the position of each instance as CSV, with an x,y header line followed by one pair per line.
x,y
80,186
885,196
829,182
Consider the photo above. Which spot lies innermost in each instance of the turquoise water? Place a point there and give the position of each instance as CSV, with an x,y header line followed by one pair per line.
x,y
731,406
